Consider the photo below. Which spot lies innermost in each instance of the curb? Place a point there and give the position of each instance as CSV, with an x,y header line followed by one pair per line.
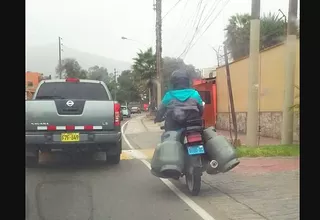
x,y
146,127
142,122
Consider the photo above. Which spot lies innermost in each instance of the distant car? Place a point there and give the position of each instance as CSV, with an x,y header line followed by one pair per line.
x,y
121,116
135,110
125,111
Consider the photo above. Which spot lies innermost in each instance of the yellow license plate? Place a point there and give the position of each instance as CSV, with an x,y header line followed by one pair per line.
x,y
70,137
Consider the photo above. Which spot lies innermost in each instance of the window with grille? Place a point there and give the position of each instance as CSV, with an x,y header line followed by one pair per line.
x,y
30,84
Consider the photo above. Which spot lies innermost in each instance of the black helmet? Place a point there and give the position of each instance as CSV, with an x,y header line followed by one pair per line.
x,y
180,79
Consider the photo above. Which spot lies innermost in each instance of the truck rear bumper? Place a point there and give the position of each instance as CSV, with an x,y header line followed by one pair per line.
x,y
93,141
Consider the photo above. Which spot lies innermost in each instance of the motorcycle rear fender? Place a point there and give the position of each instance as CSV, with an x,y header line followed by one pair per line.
x,y
195,161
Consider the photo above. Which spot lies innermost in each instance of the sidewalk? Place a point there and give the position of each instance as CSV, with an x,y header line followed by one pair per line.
x,y
135,126
258,188
148,122
150,125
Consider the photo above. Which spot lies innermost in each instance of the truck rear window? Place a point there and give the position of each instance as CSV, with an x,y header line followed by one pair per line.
x,y
70,90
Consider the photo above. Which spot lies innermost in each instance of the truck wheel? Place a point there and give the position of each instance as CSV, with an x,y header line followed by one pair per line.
x,y
32,161
113,159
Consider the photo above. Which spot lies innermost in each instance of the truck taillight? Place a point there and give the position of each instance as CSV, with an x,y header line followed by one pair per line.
x,y
72,80
117,109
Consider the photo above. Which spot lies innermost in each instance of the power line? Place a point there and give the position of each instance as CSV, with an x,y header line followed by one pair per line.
x,y
171,8
184,8
198,10
195,32
198,28
208,26
181,19
191,20
211,11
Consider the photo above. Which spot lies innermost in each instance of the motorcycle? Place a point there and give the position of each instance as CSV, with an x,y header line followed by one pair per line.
x,y
196,160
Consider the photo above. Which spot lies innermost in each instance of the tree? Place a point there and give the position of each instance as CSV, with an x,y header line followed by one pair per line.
x,y
171,64
98,73
144,70
127,91
83,74
272,32
71,68
238,33
101,73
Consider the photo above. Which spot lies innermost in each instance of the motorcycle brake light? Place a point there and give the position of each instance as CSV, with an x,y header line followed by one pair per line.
x,y
194,137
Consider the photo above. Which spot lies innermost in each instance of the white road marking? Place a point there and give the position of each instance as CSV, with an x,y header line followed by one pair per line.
x,y
135,154
194,206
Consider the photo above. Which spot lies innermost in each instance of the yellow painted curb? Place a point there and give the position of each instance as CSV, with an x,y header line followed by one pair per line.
x,y
126,155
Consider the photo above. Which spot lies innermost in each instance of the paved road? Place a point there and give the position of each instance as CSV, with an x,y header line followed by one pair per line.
x,y
94,191
257,189
88,189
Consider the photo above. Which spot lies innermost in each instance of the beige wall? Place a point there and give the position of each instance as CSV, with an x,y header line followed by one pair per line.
x,y
271,86
271,77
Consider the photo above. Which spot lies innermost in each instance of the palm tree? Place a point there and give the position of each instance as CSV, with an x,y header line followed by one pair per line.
x,y
272,32
238,35
145,64
144,69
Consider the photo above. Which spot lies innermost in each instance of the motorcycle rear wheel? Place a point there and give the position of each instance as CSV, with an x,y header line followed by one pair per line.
x,y
193,181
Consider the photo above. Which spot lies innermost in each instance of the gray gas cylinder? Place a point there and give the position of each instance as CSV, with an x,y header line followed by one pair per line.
x,y
168,157
222,155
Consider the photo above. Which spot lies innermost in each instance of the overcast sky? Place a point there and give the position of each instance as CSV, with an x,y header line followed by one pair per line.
x,y
96,26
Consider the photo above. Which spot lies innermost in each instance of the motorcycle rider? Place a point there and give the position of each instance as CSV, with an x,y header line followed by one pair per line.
x,y
180,104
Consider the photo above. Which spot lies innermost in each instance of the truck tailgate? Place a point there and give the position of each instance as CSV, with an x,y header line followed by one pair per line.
x,y
41,114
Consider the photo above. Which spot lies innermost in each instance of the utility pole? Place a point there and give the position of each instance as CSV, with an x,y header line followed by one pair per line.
x,y
149,97
60,62
288,115
158,8
233,112
253,83
217,51
116,80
